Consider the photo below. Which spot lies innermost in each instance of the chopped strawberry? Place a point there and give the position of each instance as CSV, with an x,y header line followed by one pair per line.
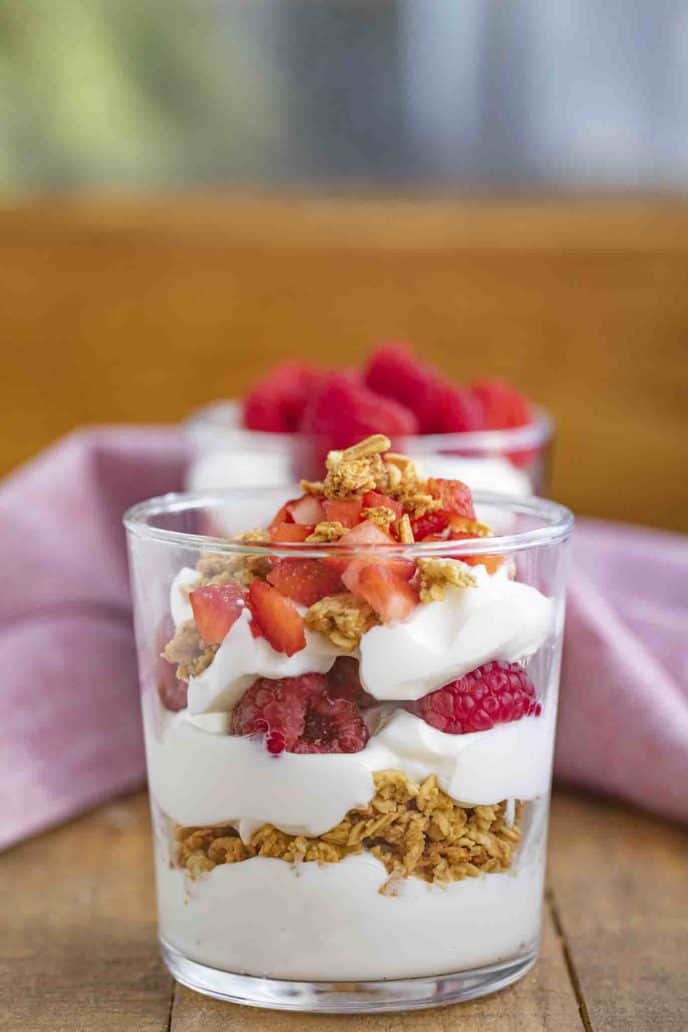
x,y
393,371
392,597
342,411
307,510
404,569
282,516
277,402
457,410
365,533
502,405
290,533
431,524
490,562
304,580
215,608
454,495
348,512
277,617
375,500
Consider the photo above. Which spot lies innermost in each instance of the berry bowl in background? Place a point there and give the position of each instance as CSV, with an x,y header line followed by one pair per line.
x,y
487,434
349,742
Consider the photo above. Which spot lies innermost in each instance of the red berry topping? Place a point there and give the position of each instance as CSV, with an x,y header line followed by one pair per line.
x,y
382,587
304,580
343,411
306,510
502,405
457,410
277,618
343,682
278,401
216,607
332,726
430,524
376,500
495,693
296,714
276,709
347,512
290,533
393,371
454,495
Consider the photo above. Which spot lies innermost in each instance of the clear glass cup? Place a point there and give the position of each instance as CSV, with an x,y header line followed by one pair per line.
x,y
406,874
225,454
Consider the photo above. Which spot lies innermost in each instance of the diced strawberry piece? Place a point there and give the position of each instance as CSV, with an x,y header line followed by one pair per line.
x,y
277,402
392,597
365,533
404,569
342,411
348,512
282,516
288,533
454,495
304,580
215,608
375,500
307,510
393,372
457,410
430,524
502,405
277,617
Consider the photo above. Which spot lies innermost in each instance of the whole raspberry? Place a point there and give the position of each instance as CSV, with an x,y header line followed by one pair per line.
x,y
296,714
332,726
495,693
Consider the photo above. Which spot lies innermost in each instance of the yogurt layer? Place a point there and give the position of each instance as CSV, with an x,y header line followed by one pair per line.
x,y
180,607
242,658
329,921
499,619
203,776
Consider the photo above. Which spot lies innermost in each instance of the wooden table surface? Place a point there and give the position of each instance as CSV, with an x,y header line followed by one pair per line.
x,y
78,949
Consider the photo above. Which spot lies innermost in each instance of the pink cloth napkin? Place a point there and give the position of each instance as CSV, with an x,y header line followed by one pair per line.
x,y
70,734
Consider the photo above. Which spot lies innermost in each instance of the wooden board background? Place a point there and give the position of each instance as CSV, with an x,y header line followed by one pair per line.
x,y
115,309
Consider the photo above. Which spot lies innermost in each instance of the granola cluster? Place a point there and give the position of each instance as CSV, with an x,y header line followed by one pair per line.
x,y
342,618
415,830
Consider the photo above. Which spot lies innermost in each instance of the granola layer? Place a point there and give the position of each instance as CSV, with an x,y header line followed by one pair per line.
x,y
415,830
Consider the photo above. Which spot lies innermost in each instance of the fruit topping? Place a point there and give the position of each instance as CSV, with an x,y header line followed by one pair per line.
x,y
216,607
297,714
277,402
502,405
343,410
390,595
277,618
454,496
495,693
290,533
306,511
393,372
346,512
304,580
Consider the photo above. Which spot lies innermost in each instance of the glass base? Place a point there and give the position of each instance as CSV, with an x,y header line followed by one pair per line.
x,y
345,997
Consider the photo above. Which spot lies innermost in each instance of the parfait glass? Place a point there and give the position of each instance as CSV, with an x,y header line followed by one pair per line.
x,y
405,870
225,454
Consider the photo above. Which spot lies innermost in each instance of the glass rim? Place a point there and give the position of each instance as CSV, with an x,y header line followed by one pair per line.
x,y
558,525
222,416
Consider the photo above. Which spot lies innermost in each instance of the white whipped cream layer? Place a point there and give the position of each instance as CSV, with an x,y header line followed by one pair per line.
x,y
238,467
499,619
201,775
330,921
241,659
180,606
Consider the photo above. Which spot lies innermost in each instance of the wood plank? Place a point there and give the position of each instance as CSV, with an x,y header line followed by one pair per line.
x,y
620,889
141,311
78,950
542,1002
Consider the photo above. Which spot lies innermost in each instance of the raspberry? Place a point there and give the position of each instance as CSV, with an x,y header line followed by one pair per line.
x,y
342,410
332,726
173,692
457,410
394,372
495,693
502,405
296,714
343,682
277,402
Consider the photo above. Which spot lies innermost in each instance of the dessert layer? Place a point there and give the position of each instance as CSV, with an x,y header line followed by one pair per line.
x,y
415,830
329,921
207,777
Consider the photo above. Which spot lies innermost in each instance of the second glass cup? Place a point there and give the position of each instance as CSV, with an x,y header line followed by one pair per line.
x,y
348,821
